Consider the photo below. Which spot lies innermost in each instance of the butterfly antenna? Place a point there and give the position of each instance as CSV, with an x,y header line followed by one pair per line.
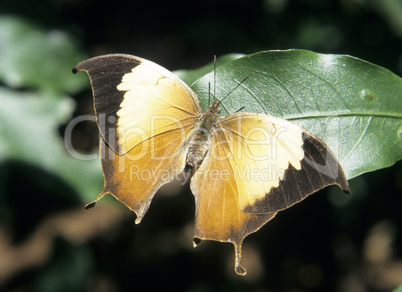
x,y
215,77
209,93
251,73
239,109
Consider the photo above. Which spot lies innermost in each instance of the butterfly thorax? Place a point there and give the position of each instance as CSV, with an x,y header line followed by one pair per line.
x,y
200,141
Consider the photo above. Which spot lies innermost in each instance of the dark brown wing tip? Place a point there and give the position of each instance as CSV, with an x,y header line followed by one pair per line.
x,y
343,182
346,190
90,205
79,67
196,241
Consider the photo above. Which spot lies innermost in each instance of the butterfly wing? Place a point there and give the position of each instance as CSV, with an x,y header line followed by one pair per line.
x,y
257,166
145,115
277,162
218,214
131,94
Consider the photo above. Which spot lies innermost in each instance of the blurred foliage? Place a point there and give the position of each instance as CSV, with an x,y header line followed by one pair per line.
x,y
48,243
30,59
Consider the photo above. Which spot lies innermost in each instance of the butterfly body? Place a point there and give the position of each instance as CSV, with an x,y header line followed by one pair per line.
x,y
245,167
200,141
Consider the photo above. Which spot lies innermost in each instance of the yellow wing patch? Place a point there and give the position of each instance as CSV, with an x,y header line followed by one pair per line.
x,y
260,150
153,103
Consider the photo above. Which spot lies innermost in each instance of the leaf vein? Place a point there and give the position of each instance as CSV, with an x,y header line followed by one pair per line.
x,y
359,139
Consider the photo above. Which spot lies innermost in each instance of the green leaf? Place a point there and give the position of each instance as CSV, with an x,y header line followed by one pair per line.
x,y
351,104
32,57
189,76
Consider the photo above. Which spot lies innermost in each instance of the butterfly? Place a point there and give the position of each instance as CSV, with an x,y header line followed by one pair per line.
x,y
244,167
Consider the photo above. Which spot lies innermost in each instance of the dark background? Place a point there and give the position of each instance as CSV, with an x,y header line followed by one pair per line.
x,y
322,244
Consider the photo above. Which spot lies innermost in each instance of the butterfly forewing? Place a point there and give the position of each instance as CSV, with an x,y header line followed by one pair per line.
x,y
136,99
145,116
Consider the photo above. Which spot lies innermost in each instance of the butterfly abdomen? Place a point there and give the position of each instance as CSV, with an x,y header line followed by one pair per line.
x,y
198,148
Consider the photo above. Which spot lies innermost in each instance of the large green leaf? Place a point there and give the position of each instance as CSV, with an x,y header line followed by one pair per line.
x,y
353,105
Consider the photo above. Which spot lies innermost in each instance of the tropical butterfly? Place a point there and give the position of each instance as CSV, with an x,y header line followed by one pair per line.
x,y
244,167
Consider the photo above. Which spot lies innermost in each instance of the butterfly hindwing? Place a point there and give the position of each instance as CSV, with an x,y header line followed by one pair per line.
x,y
218,213
257,166
135,177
